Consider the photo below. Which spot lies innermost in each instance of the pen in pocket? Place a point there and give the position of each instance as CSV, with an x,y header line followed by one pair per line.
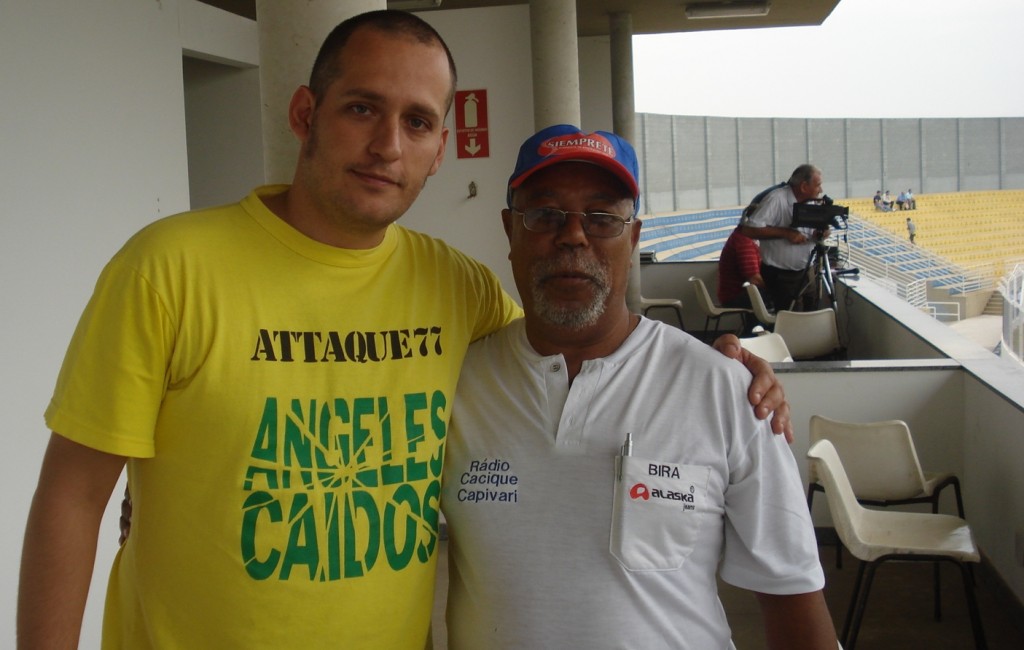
x,y
625,450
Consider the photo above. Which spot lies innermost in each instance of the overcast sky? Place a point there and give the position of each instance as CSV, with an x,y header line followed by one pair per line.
x,y
870,58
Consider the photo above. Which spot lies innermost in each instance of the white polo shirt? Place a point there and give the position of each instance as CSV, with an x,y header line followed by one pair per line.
x,y
551,547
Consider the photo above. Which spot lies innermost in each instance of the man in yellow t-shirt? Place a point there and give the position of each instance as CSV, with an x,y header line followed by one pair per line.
x,y
277,376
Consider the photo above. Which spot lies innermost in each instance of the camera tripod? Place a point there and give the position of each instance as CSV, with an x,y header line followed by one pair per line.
x,y
818,272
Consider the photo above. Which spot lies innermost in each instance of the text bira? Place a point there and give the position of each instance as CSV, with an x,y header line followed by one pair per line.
x,y
669,471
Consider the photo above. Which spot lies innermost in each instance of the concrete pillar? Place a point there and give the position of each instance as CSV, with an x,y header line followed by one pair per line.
x,y
556,69
623,99
290,33
624,116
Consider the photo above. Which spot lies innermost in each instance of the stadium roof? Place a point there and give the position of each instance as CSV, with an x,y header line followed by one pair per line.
x,y
669,16
648,16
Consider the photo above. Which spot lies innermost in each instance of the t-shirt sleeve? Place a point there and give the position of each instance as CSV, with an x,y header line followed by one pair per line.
x,y
495,307
114,374
770,545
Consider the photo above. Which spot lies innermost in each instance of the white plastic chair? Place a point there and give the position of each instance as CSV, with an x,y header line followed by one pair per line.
x,y
710,309
668,303
882,465
877,536
769,347
761,312
809,334
881,462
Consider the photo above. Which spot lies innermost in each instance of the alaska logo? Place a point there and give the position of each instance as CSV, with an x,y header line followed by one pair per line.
x,y
639,491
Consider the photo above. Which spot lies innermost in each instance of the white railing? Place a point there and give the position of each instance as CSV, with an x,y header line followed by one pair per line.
x,y
915,292
886,270
944,311
1012,288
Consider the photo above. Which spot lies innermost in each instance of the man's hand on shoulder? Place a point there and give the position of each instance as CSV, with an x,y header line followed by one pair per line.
x,y
766,393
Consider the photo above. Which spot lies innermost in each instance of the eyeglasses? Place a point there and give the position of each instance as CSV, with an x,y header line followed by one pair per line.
x,y
595,224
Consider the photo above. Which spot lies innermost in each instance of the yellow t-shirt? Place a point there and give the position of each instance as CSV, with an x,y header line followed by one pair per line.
x,y
284,404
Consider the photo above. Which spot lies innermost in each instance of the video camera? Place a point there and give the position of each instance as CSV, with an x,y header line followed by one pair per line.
x,y
820,214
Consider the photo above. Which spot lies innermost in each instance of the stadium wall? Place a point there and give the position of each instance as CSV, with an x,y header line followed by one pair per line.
x,y
693,163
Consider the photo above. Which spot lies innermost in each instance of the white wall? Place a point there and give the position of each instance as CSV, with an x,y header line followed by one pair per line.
x,y
224,131
477,37
930,399
993,459
92,146
492,51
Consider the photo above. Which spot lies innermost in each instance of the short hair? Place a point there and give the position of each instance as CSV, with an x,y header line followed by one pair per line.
x,y
802,174
327,66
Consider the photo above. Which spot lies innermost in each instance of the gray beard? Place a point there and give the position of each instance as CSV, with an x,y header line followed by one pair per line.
x,y
564,316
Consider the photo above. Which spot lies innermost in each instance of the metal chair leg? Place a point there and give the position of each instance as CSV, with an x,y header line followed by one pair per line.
x,y
862,601
862,588
855,612
972,607
959,497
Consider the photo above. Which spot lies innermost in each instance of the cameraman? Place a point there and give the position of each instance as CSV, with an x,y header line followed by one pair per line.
x,y
785,250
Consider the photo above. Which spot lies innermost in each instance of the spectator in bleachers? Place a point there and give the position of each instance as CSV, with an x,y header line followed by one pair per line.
x,y
901,201
880,203
911,229
887,201
739,262
785,250
911,201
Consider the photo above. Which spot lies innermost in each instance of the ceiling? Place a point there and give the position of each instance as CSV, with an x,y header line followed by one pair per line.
x,y
667,16
649,16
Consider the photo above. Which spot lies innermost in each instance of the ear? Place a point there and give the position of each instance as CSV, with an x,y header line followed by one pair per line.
x,y
300,112
440,152
634,234
508,222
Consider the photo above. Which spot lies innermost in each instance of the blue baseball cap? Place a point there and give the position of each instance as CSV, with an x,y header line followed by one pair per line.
x,y
567,143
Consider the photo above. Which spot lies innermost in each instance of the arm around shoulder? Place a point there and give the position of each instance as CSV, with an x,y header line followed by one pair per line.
x,y
773,232
797,621
754,233
57,558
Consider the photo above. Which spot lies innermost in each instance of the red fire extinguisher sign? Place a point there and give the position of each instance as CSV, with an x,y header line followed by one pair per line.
x,y
471,139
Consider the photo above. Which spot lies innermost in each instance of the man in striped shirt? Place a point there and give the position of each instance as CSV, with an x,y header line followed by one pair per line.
x,y
739,262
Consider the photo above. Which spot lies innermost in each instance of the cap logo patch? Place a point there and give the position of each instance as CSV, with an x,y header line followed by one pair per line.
x,y
574,144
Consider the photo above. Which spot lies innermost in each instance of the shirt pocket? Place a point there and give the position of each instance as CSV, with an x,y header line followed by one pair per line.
x,y
657,513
